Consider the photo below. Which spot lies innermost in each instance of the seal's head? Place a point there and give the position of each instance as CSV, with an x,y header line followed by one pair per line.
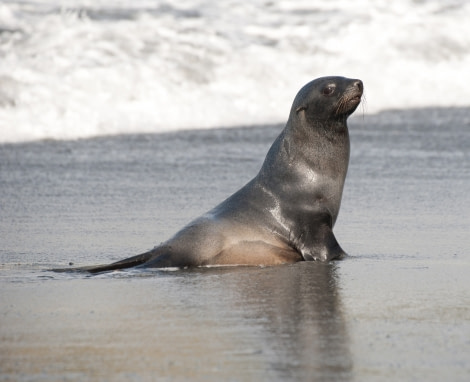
x,y
327,99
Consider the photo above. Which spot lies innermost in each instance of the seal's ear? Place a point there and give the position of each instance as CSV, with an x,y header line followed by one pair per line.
x,y
300,108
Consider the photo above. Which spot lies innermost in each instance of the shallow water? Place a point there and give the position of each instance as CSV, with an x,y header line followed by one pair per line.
x,y
397,309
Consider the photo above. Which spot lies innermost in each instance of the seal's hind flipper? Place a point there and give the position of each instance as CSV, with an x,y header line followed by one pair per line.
x,y
122,264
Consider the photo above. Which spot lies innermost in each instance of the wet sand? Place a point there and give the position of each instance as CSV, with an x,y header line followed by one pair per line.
x,y
397,309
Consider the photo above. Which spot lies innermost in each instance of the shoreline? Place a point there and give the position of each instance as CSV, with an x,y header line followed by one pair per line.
x,y
361,117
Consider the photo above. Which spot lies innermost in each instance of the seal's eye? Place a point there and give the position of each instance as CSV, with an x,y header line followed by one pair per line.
x,y
329,89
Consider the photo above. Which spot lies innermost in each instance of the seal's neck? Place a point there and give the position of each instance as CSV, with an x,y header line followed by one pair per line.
x,y
302,153
321,145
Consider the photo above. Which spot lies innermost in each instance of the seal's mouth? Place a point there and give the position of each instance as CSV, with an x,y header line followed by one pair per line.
x,y
349,102
350,99
355,92
356,98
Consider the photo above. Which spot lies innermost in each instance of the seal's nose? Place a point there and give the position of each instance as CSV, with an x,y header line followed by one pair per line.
x,y
359,85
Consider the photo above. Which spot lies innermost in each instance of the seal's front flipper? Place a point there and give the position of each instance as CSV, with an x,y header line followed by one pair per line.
x,y
122,264
324,248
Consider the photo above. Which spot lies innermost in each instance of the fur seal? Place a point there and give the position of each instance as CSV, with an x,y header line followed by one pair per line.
x,y
287,212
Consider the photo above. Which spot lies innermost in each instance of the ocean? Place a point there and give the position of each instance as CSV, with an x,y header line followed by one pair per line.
x,y
83,68
121,121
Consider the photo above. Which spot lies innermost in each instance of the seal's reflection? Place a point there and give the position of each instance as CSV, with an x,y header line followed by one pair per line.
x,y
299,307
